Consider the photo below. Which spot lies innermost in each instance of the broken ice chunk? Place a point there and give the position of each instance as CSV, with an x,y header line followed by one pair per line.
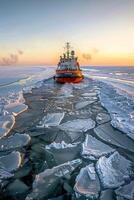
x,y
95,148
9,163
107,133
14,141
87,182
61,145
58,153
46,182
126,191
102,118
83,104
78,125
51,119
89,94
16,108
114,170
6,124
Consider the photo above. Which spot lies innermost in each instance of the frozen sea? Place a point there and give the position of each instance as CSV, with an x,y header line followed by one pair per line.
x,y
116,92
14,81
66,135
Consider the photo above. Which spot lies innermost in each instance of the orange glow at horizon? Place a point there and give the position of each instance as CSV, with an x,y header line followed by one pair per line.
x,y
40,55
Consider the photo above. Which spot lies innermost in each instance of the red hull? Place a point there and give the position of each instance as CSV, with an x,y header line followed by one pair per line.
x,y
68,80
68,76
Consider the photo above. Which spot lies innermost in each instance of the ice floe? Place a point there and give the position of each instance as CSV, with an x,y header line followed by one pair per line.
x,y
126,191
58,153
114,170
51,119
93,148
107,133
78,125
120,106
87,183
46,182
83,104
14,141
9,163
16,108
6,124
102,118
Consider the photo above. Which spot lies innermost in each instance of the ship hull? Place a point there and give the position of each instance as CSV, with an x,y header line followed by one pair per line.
x,y
68,76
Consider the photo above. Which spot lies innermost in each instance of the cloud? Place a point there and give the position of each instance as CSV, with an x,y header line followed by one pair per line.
x,y
12,59
95,50
20,52
89,56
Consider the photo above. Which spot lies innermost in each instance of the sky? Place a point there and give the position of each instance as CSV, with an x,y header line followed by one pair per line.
x,y
34,32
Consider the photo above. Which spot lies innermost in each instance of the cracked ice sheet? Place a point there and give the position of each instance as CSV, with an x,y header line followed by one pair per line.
x,y
51,119
93,147
114,170
78,125
45,182
14,141
83,104
87,183
9,163
66,91
126,191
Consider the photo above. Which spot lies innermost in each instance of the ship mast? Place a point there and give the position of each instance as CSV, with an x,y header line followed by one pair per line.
x,y
67,49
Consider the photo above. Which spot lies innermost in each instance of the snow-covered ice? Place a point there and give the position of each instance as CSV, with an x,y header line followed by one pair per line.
x,y
14,141
61,145
120,106
93,147
114,170
126,191
89,94
87,183
51,119
78,125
